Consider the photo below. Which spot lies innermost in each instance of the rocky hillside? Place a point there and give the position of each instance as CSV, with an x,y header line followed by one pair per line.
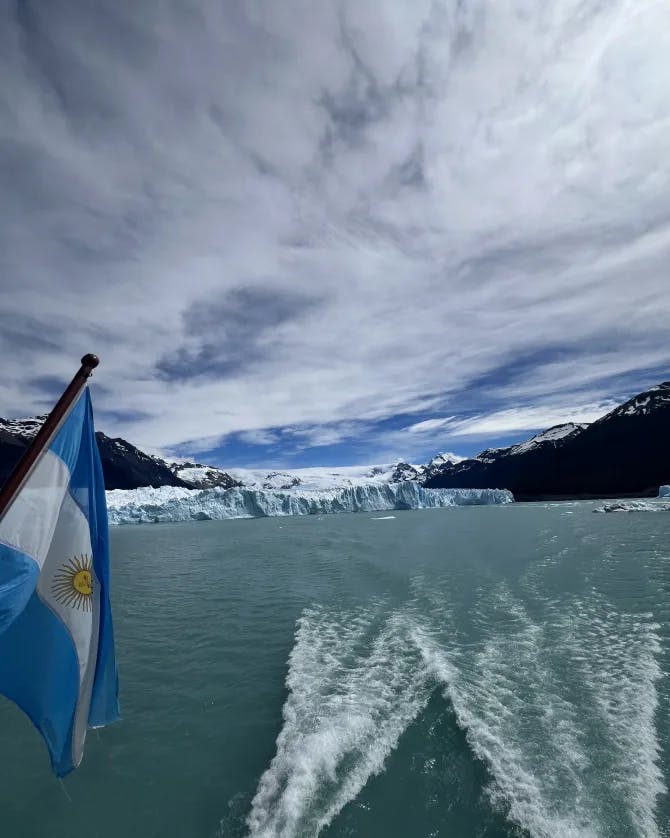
x,y
124,465
203,477
625,453
420,474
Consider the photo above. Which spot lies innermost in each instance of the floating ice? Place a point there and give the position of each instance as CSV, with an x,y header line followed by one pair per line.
x,y
654,505
170,503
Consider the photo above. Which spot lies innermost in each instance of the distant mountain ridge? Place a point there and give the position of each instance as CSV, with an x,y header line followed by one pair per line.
x,y
127,467
124,465
624,453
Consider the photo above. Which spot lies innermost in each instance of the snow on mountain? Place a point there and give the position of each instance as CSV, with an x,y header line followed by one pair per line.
x,y
202,477
128,467
308,479
314,479
550,435
124,465
656,398
25,428
170,504
407,471
304,479
443,459
490,455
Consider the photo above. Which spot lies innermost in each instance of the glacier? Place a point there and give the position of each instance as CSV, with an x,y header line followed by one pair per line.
x,y
664,492
172,504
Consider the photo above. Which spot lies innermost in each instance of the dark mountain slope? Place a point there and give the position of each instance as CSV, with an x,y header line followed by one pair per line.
x,y
124,465
626,453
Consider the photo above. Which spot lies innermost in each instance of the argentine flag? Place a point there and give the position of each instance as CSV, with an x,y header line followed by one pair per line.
x,y
56,640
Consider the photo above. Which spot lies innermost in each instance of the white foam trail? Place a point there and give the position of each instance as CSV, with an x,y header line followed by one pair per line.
x,y
348,704
523,719
617,656
526,734
561,710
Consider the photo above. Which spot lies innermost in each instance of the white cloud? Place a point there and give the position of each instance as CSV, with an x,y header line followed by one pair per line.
x,y
430,425
504,422
259,437
454,186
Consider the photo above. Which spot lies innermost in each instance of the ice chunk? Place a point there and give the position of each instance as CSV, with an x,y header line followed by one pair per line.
x,y
652,505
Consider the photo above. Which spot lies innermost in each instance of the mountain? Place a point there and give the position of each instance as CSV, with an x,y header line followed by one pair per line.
x,y
198,476
124,465
127,467
420,474
625,453
314,478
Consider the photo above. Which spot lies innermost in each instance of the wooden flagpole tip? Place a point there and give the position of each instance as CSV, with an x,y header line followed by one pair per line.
x,y
13,484
90,362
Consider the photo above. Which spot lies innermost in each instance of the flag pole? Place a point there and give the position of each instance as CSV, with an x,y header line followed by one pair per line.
x,y
46,433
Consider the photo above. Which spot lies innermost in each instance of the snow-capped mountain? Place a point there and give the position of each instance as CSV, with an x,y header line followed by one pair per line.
x,y
548,437
406,471
127,467
314,479
309,479
22,428
124,465
624,453
198,476
644,404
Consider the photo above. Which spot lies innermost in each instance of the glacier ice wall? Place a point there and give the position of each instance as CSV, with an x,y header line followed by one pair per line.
x,y
168,503
664,492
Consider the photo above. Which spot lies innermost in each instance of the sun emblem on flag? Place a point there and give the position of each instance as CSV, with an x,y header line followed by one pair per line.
x,y
73,584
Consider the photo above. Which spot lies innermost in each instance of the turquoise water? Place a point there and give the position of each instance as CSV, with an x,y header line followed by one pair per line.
x,y
482,671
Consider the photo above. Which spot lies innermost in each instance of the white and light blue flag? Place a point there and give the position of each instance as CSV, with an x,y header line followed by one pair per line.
x,y
57,658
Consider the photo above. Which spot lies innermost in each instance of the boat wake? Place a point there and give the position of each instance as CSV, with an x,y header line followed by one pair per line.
x,y
355,683
561,711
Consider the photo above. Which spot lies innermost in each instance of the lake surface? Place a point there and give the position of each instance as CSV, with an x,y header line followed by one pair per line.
x,y
478,671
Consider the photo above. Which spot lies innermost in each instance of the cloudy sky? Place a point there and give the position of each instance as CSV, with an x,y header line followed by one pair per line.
x,y
309,232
